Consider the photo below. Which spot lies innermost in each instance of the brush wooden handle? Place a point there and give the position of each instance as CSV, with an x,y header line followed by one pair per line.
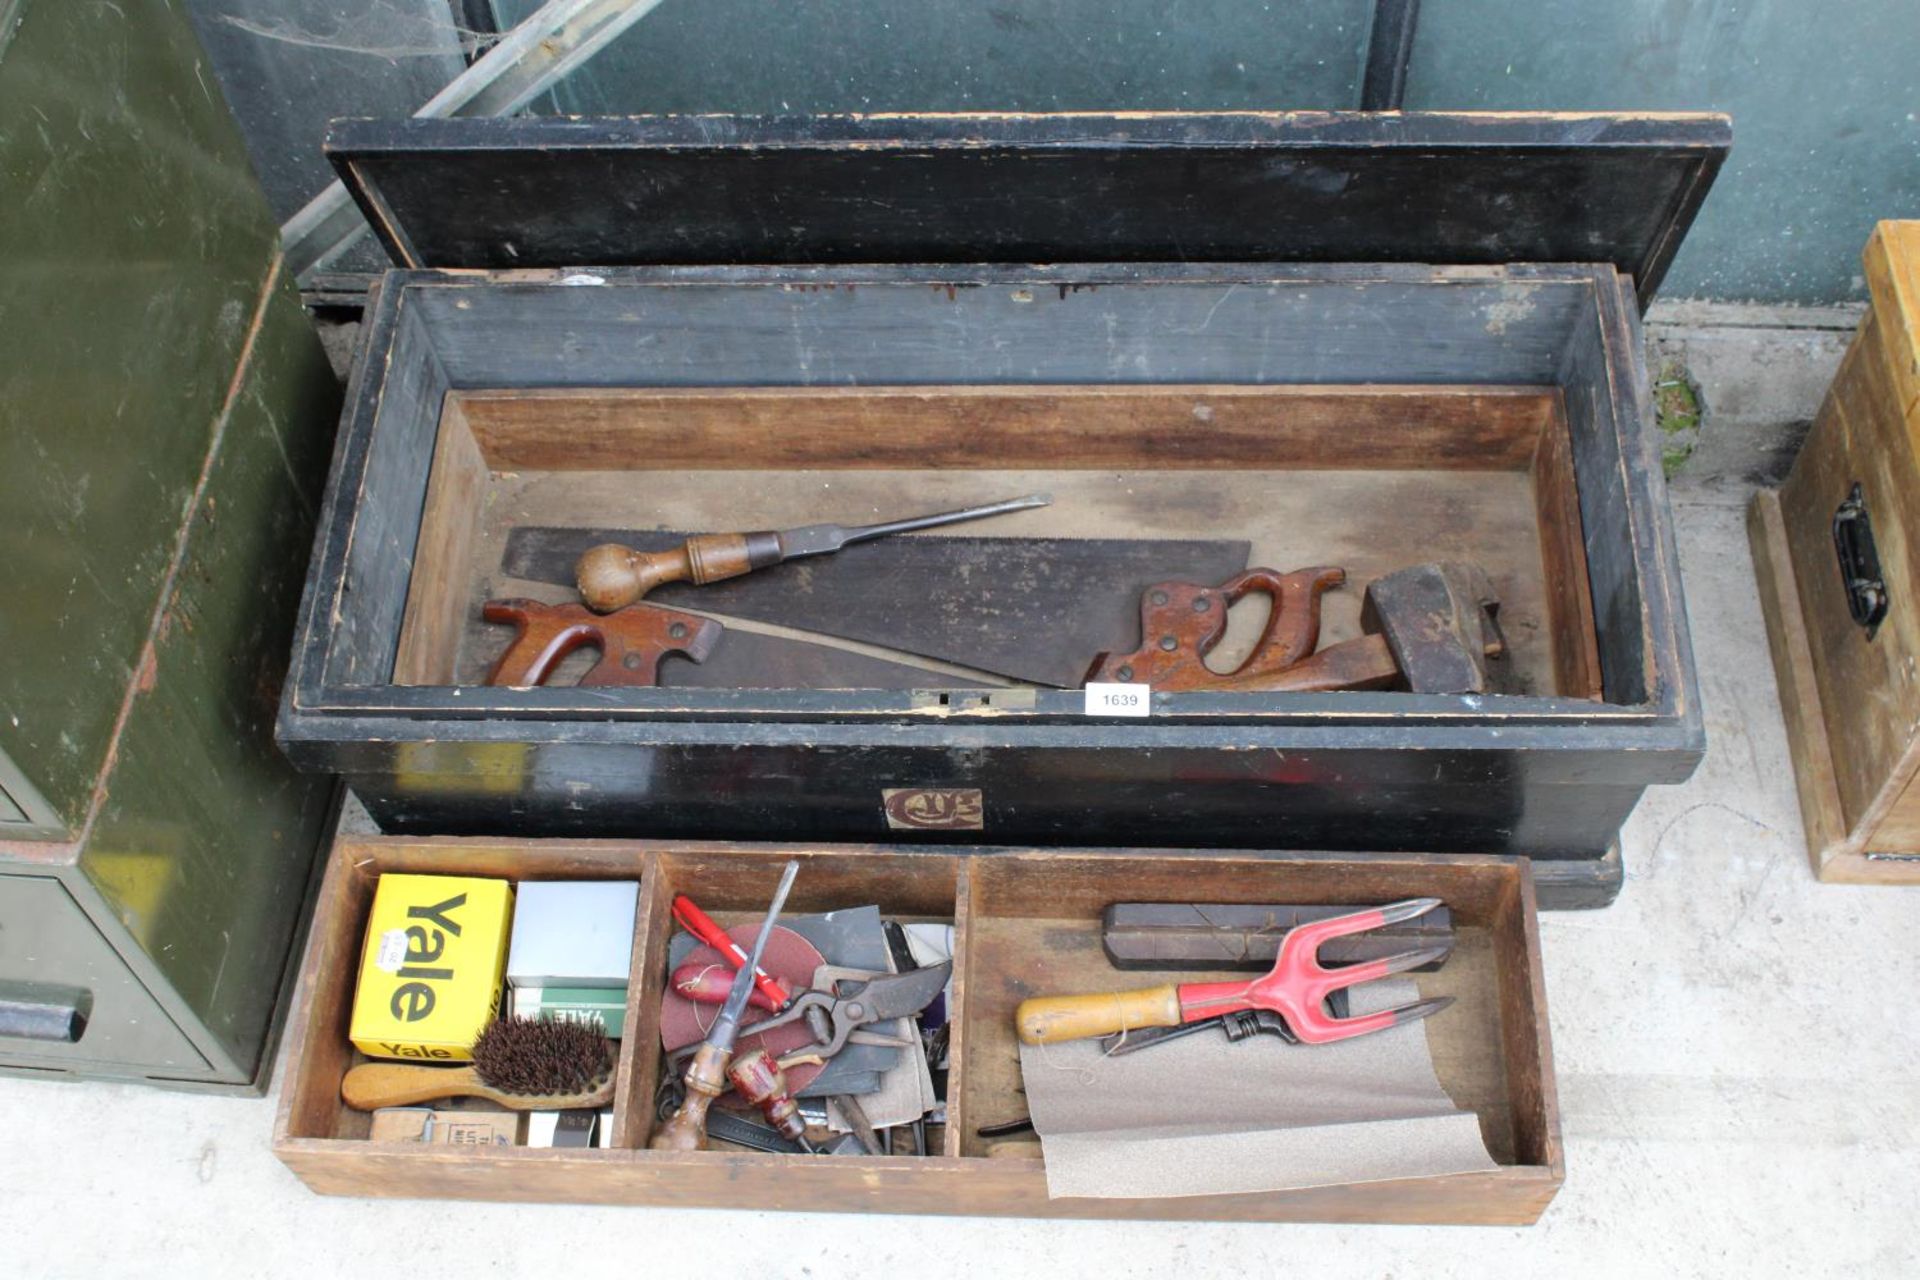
x,y
398,1084
611,576
372,1085
1050,1019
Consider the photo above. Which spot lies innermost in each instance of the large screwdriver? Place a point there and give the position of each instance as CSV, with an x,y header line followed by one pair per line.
x,y
612,576
706,1077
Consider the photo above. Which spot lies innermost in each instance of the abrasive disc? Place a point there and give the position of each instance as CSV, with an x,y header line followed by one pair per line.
x,y
788,957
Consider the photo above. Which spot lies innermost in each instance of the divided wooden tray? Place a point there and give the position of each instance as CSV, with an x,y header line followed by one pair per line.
x,y
1020,918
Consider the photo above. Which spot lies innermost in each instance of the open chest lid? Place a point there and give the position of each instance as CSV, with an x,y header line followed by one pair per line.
x,y
1471,188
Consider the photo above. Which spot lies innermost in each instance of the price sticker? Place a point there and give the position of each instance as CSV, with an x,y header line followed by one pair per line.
x,y
393,950
1118,700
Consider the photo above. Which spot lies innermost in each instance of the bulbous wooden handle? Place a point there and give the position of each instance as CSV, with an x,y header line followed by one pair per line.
x,y
611,576
686,1129
1051,1019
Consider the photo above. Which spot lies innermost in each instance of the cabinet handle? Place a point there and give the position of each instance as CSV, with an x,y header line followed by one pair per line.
x,y
44,1011
1859,562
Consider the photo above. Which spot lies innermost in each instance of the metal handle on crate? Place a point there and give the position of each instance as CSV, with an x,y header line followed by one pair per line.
x,y
1859,558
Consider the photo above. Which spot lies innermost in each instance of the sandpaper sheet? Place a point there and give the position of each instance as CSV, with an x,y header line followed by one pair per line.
x,y
1203,1116
1032,609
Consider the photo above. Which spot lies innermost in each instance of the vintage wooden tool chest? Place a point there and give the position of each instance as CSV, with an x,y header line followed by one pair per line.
x,y
1348,339
1019,916
1837,548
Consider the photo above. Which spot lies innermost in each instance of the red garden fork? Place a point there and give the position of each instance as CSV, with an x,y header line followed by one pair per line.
x,y
1296,988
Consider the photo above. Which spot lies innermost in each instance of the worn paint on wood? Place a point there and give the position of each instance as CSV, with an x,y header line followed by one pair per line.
x,y
1056,187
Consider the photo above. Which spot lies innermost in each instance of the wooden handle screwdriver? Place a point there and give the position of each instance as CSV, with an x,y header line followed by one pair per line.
x,y
761,1079
706,1077
611,576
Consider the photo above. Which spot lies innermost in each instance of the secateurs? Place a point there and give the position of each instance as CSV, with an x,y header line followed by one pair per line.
x,y
842,1015
1297,989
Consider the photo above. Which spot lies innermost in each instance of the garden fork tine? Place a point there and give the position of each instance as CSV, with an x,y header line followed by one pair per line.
x,y
1298,985
1296,988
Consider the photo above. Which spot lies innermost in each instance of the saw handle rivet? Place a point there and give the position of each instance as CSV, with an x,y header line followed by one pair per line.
x,y
1159,597
1169,643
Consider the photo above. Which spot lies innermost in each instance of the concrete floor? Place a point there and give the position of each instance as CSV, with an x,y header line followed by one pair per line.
x,y
1736,1049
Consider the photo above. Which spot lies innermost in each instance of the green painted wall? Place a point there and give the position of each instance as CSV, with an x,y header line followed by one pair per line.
x,y
1824,96
1825,100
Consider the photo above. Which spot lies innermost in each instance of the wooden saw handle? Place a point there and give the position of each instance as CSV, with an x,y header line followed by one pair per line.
x,y
1051,1019
631,641
611,576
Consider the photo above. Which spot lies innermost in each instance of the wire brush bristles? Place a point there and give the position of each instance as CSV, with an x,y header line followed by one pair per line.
x,y
538,1057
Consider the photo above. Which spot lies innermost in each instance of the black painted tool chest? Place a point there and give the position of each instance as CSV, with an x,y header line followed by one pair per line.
x,y
1354,340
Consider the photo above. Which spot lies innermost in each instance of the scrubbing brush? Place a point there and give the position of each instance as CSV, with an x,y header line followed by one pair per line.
x,y
526,1064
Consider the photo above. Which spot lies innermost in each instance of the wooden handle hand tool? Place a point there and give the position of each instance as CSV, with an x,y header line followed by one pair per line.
x,y
631,642
1181,622
762,1080
706,1077
611,576
1297,989
773,994
711,983
1431,628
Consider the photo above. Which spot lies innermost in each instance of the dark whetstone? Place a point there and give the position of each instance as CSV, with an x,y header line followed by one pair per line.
x,y
1213,935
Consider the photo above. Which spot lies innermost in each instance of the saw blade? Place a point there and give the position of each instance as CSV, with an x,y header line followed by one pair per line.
x,y
1031,609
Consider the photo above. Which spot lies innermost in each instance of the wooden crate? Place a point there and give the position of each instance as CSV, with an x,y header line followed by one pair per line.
x,y
1849,688
1011,910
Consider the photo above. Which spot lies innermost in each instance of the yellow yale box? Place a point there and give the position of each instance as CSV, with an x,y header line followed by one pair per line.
x,y
430,970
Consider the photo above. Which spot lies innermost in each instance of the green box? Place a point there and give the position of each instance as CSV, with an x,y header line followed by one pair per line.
x,y
166,419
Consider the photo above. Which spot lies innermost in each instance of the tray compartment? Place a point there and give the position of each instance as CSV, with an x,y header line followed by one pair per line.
x,y
1035,929
311,1107
734,888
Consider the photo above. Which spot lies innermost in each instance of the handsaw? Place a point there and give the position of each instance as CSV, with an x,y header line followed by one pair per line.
x,y
1034,610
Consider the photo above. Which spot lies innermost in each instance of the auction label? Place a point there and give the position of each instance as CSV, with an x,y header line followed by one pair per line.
x,y
1118,700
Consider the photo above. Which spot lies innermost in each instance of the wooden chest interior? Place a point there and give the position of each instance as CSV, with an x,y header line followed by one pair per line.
x,y
1367,477
1023,921
1367,418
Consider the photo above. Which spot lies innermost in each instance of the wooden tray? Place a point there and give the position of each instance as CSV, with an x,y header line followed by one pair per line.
x,y
1012,910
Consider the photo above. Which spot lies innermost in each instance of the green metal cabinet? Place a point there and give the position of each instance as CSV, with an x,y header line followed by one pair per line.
x,y
166,415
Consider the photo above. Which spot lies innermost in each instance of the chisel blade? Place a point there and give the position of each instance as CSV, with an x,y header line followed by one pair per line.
x,y
1030,609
